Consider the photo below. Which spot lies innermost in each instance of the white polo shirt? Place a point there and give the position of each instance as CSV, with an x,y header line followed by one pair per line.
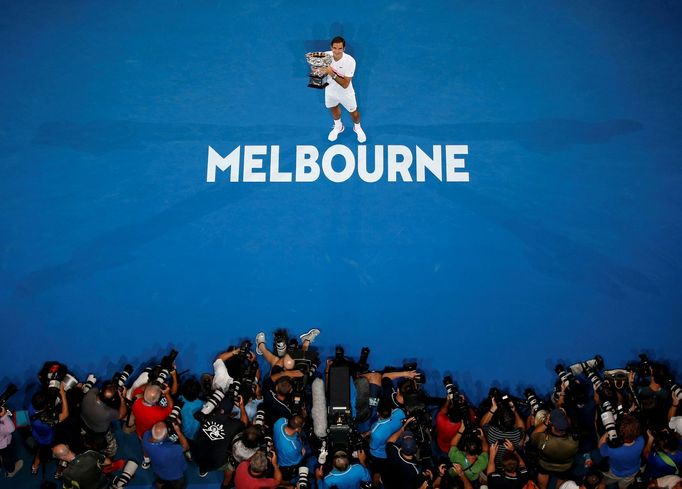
x,y
344,67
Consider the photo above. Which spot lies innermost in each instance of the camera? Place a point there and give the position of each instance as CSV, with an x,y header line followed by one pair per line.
x,y
642,367
608,420
174,418
594,379
596,363
213,401
120,378
280,341
124,477
9,392
303,482
532,401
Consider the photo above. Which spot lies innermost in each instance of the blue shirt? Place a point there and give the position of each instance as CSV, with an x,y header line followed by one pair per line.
x,y
168,461
190,424
289,448
382,430
624,460
349,479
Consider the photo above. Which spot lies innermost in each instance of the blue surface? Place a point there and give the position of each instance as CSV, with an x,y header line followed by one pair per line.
x,y
564,244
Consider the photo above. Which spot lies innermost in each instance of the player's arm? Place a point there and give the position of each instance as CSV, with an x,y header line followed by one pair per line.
x,y
344,81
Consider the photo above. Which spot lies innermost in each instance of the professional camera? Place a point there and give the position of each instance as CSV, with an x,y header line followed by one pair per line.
x,y
596,363
122,480
676,391
120,378
608,419
642,367
174,418
213,401
596,381
534,404
459,409
280,340
9,392
303,482
160,374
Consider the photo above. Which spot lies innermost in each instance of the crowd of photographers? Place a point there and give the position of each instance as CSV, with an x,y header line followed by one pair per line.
x,y
341,424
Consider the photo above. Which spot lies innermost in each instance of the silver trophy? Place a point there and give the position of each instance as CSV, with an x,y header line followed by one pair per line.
x,y
318,61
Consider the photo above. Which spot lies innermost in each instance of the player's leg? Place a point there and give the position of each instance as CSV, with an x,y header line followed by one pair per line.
x,y
338,126
351,105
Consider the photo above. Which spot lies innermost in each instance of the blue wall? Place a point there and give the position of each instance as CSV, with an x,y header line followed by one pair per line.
x,y
565,243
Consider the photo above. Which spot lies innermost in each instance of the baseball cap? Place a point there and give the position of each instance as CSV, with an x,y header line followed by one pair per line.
x,y
408,444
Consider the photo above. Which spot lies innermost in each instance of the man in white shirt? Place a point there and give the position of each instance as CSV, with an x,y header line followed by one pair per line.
x,y
340,89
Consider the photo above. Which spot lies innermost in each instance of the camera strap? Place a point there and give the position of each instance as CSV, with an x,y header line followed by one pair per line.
x,y
668,461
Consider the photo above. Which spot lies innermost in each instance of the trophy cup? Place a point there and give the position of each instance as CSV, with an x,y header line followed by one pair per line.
x,y
318,61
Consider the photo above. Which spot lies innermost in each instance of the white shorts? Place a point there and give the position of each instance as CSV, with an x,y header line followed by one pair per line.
x,y
345,98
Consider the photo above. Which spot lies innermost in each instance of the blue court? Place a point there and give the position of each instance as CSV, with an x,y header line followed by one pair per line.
x,y
564,243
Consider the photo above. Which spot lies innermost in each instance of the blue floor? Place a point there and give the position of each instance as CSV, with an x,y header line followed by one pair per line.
x,y
565,242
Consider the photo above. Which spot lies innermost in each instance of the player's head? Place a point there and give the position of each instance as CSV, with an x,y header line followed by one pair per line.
x,y
337,40
338,44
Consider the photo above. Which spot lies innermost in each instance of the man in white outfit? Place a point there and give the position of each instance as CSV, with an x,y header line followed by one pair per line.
x,y
340,89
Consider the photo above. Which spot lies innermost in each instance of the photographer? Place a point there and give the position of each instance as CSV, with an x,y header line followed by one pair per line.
x,y
7,449
276,402
473,455
652,395
212,446
555,446
286,435
153,405
85,470
501,424
43,421
252,474
98,410
403,471
389,421
344,474
624,461
663,455
167,457
513,473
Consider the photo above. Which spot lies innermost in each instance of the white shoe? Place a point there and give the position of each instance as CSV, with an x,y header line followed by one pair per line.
x,y
260,339
334,133
310,335
361,134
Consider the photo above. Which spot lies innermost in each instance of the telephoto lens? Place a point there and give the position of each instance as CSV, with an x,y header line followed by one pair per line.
x,y
594,378
120,378
9,392
211,403
124,478
303,477
71,381
449,387
532,400
259,418
89,383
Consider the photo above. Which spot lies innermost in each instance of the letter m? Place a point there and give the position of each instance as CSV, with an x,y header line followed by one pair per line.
x,y
215,161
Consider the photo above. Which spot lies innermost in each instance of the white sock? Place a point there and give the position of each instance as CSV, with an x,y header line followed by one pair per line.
x,y
337,123
357,125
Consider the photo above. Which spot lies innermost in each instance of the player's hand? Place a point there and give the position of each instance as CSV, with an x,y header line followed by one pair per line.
x,y
329,70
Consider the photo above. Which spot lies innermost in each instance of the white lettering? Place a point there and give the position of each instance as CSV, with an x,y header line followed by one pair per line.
x,y
215,161
378,164
275,174
452,163
401,166
348,169
434,165
307,169
252,164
